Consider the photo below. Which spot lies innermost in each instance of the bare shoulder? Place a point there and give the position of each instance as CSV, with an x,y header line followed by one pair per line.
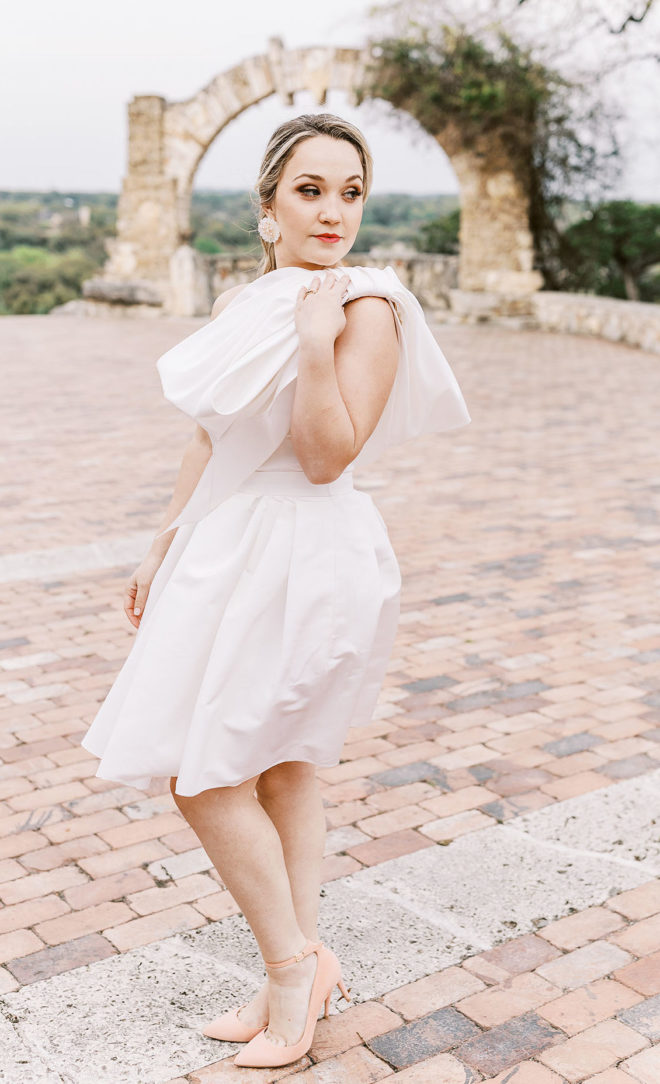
x,y
370,331
225,297
370,312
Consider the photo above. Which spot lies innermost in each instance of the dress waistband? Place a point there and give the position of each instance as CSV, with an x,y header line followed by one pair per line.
x,y
295,483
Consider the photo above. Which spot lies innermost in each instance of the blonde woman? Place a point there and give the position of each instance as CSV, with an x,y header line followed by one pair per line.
x,y
266,610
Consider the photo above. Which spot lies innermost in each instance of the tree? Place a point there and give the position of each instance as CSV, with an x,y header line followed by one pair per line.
x,y
613,248
441,234
625,19
467,89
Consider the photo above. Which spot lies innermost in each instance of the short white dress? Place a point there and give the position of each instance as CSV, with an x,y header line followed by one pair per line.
x,y
266,634
269,625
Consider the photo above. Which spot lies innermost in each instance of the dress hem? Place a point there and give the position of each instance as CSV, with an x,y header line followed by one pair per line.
x,y
138,781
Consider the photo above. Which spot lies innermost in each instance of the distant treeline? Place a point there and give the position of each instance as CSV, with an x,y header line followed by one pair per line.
x,y
50,242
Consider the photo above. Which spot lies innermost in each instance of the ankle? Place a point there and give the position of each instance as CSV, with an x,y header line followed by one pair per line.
x,y
294,956
292,974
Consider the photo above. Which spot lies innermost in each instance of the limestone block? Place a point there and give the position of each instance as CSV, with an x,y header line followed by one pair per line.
x,y
512,282
473,303
122,259
130,293
91,307
634,322
503,185
189,292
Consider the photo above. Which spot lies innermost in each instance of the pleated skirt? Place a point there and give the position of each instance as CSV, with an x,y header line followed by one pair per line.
x,y
266,634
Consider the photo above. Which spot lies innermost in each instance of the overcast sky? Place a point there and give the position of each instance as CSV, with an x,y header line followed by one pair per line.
x,y
68,70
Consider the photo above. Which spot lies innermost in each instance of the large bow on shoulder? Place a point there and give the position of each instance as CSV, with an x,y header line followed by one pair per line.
x,y
236,377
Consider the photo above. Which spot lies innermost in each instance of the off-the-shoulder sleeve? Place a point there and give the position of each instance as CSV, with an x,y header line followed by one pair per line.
x,y
234,366
235,377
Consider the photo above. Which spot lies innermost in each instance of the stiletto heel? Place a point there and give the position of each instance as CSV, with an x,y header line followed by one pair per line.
x,y
260,1051
344,991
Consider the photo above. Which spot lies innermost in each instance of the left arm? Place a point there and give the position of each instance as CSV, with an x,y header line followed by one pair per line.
x,y
342,389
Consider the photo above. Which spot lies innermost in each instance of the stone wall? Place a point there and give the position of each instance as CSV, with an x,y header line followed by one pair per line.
x,y
430,276
633,322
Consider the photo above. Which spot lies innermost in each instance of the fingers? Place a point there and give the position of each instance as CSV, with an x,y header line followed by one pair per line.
x,y
316,284
140,598
304,291
135,597
341,281
129,602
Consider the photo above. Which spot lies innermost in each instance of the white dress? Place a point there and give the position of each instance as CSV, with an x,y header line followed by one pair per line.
x,y
270,623
266,634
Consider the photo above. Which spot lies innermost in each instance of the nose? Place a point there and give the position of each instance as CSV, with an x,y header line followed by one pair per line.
x,y
330,216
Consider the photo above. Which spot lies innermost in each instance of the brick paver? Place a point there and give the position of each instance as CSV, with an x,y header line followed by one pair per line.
x,y
526,671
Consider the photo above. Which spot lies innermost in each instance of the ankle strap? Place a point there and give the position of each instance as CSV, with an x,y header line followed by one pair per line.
x,y
311,946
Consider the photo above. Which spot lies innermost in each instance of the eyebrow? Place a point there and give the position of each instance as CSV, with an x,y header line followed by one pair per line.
x,y
316,177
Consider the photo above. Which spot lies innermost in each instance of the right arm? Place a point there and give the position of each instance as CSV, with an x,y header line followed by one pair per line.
x,y
195,457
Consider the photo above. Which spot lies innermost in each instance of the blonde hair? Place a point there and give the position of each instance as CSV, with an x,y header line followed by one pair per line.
x,y
281,146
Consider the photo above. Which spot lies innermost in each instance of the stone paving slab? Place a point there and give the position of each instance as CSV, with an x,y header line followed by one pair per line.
x,y
519,723
20,1061
135,1018
48,563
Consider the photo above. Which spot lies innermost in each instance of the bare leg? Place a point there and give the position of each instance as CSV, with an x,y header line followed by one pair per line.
x,y
290,795
248,854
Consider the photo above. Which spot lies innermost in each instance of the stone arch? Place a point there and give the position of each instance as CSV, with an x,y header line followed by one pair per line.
x,y
151,263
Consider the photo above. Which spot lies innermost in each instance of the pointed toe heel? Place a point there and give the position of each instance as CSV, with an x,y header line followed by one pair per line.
x,y
260,1052
230,1028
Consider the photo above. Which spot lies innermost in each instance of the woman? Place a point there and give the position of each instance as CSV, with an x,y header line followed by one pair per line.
x,y
267,609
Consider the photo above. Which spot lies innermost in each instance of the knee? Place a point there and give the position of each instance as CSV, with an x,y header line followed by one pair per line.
x,y
212,796
283,779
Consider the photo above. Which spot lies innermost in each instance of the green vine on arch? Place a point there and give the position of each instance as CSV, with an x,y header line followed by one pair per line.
x,y
495,98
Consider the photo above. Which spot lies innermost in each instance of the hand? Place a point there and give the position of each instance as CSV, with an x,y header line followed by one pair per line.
x,y
138,587
320,315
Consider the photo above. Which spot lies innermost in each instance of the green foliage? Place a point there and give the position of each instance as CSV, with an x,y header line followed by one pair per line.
x,y
207,245
451,77
33,280
46,252
222,222
497,97
441,234
613,251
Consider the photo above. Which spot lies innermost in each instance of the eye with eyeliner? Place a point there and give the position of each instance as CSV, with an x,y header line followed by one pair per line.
x,y
306,187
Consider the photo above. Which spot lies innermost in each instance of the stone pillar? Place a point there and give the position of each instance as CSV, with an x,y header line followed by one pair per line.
x,y
147,233
496,243
189,291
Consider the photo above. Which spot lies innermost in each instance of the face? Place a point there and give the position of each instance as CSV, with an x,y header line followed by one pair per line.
x,y
328,203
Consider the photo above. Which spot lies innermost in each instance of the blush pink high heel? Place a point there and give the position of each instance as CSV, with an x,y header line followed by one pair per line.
x,y
260,1051
231,1028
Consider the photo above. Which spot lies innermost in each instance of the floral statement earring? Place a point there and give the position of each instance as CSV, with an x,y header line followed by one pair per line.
x,y
268,229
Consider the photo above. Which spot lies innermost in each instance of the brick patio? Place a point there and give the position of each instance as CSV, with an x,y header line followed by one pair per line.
x,y
526,675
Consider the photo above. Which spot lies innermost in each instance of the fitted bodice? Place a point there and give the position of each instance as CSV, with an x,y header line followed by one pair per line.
x,y
284,458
